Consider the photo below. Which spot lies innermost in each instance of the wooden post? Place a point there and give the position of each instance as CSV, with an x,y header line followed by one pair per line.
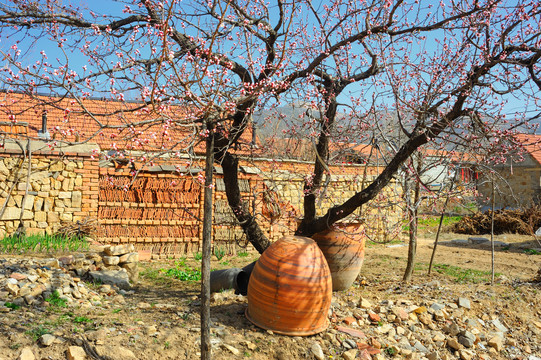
x,y
207,239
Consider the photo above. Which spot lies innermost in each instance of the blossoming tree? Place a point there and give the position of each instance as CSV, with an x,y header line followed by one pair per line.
x,y
448,71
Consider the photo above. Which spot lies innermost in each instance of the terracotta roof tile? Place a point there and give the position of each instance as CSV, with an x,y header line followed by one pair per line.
x,y
532,144
112,125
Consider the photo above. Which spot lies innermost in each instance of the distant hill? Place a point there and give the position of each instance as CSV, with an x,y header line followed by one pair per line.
x,y
278,121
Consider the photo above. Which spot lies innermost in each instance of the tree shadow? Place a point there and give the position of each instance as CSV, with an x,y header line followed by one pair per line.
x,y
528,247
232,314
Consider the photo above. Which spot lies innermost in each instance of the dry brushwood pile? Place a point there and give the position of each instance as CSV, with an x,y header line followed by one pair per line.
x,y
522,222
80,229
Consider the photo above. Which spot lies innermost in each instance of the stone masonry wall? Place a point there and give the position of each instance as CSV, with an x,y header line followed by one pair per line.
x,y
516,188
381,217
62,187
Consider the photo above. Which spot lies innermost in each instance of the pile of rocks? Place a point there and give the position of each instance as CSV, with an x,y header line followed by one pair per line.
x,y
27,281
435,329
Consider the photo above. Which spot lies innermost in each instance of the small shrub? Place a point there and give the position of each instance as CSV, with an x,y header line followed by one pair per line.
x,y
198,256
183,272
37,332
219,252
56,301
12,306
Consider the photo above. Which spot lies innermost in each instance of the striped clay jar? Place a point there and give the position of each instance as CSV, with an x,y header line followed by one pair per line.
x,y
343,247
290,288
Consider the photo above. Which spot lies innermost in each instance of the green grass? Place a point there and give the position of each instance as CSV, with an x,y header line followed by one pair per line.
x,y
243,254
156,276
37,332
12,306
198,256
82,320
370,243
464,275
532,252
183,272
56,301
41,243
432,222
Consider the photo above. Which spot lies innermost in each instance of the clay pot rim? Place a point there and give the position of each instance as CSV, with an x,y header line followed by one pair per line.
x,y
289,333
348,229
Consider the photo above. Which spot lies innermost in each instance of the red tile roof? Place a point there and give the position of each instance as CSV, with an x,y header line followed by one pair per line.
x,y
118,125
532,144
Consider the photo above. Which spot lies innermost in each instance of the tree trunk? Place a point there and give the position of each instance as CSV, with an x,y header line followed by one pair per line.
x,y
339,212
207,239
230,165
255,235
413,215
417,139
412,247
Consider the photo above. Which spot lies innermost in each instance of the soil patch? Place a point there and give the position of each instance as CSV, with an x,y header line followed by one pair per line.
x,y
159,317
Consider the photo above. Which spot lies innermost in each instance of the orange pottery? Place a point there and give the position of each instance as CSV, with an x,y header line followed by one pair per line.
x,y
290,288
343,247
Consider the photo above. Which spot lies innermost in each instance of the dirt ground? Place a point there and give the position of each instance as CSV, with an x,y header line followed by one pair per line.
x,y
159,318
513,260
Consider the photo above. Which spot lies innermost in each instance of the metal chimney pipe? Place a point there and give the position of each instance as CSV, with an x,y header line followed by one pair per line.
x,y
44,122
254,135
43,133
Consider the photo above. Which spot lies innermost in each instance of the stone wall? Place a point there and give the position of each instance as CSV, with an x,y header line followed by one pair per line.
x,y
381,216
516,185
60,187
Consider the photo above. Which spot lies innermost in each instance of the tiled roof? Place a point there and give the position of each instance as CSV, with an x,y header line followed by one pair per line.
x,y
111,124
453,156
532,144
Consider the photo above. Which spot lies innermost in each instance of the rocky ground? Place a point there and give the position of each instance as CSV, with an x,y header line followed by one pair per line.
x,y
454,313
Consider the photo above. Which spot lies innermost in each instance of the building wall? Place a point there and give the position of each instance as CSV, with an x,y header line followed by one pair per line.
x,y
516,186
61,187
160,211
381,217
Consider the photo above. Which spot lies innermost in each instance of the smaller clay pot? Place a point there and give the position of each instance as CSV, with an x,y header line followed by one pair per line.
x,y
343,247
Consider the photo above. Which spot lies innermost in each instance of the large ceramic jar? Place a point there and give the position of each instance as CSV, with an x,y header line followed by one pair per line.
x,y
343,247
290,288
